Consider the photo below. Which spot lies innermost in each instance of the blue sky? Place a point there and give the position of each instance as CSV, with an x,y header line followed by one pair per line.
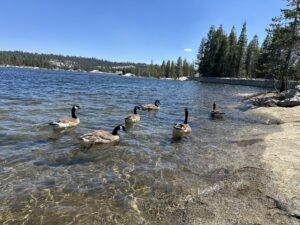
x,y
126,30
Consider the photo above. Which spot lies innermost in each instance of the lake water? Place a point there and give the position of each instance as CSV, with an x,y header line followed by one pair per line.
x,y
47,177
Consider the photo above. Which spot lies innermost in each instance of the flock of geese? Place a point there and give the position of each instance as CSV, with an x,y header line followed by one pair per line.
x,y
105,137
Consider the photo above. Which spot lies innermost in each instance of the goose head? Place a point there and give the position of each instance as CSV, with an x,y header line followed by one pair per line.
x,y
117,128
136,108
74,108
157,103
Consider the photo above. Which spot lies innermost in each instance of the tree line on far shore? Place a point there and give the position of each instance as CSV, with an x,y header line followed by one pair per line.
x,y
52,61
168,69
222,55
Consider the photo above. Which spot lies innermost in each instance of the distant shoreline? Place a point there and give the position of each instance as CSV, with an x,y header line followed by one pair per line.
x,y
183,78
56,69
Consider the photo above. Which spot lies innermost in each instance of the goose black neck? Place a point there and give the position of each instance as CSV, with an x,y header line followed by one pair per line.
x,y
214,106
156,103
73,113
115,131
135,110
186,117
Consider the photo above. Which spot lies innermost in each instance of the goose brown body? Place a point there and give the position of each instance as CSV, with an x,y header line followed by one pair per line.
x,y
134,117
180,129
185,128
65,122
102,136
155,106
215,114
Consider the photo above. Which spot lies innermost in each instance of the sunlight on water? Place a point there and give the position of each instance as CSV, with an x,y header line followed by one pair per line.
x,y
47,177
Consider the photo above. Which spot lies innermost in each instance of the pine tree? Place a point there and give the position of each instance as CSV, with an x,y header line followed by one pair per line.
x,y
232,54
251,60
179,67
151,69
186,68
191,70
173,70
207,61
214,50
286,37
200,56
241,47
163,69
168,69
221,53
264,58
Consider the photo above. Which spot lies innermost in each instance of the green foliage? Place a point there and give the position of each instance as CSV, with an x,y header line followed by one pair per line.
x,y
206,62
232,54
264,58
285,40
168,69
173,70
251,59
200,57
221,55
179,68
241,48
216,53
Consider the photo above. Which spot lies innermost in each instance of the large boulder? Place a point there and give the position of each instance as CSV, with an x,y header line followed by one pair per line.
x,y
269,99
290,102
292,98
293,92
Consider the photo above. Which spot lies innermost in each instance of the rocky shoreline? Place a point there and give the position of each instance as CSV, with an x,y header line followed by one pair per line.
x,y
282,148
290,98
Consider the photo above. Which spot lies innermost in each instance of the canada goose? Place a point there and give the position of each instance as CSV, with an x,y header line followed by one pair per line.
x,y
102,136
66,122
182,128
154,106
134,117
215,114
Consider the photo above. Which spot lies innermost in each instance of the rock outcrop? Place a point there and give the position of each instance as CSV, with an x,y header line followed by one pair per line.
x,y
272,99
291,98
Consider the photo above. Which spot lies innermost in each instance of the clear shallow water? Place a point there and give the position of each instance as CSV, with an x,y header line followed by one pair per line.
x,y
47,177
